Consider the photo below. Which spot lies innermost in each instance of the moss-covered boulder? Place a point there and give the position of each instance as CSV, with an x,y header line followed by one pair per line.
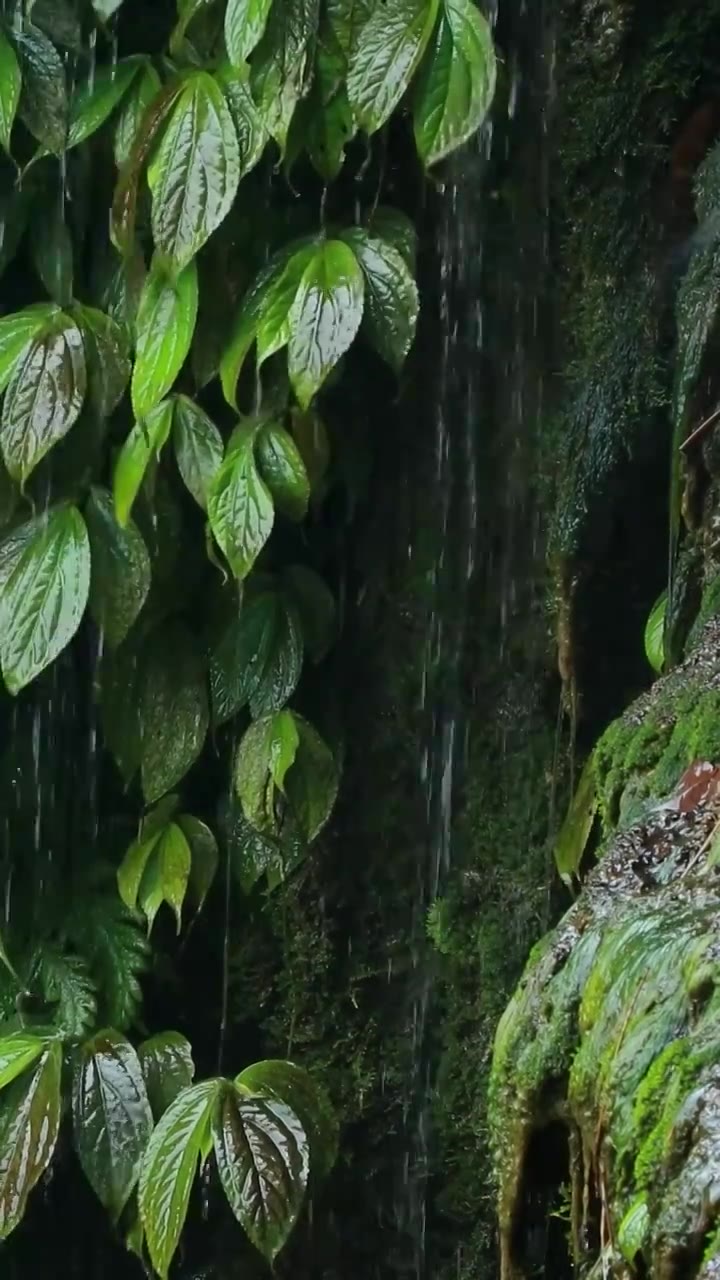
x,y
605,1091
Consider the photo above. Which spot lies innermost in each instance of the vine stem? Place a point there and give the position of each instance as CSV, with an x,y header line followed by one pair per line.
x,y
699,432
225,970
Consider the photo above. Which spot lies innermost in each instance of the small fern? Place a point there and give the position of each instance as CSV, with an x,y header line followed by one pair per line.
x,y
65,981
112,943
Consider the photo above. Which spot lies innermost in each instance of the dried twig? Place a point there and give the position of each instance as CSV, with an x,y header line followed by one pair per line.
x,y
699,432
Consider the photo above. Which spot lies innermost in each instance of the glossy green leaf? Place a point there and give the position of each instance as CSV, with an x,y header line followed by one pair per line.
x,y
387,53
195,171
167,1065
245,329
267,752
396,229
143,444
18,330
240,507
283,470
10,86
312,782
245,22
457,81
133,866
391,297
205,858
655,634
165,326
325,317
330,127
106,358
124,209
18,1052
43,105
173,710
346,20
96,101
262,1155
575,831
315,606
169,1168
281,65
198,448
143,91
298,1090
112,1120
44,587
258,659
29,1127
52,251
273,329
119,681
44,396
120,578
249,126
166,875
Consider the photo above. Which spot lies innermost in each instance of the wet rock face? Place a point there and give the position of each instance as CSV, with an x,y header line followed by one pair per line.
x,y
606,1076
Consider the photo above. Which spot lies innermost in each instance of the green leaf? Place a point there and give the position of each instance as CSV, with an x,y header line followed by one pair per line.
x,y
324,317
262,1155
281,66
396,229
43,105
245,22
18,330
457,81
10,86
312,782
169,1167
124,210
119,680
296,1088
240,508
195,171
198,448
173,710
167,1065
387,53
249,127
44,396
283,470
144,444
106,358
205,858
29,1126
253,855
143,91
274,328
575,831
44,587
113,942
315,606
66,982
52,251
14,211
120,578
259,659
166,875
655,634
112,1120
96,101
165,326
18,1052
391,297
311,438
346,19
267,751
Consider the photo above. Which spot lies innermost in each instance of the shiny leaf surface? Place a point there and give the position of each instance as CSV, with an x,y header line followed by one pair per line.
x,y
106,358
283,470
166,875
18,1052
324,317
288,1083
43,105
386,55
165,326
10,86
96,101
258,659
198,448
44,396
249,126
142,446
120,578
240,507
457,81
391,297
312,781
173,710
281,64
143,91
205,858
18,330
167,1065
29,1126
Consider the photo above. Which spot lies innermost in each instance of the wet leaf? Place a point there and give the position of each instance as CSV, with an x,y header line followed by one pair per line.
x,y
106,358
249,127
44,396
240,507
283,470
287,1083
281,65
324,317
43,102
457,81
96,101
267,751
143,91
119,707
142,446
44,587
387,53
169,1168
311,438
124,210
166,875
258,659
346,19
655,634
18,1052
205,858
10,86
132,868
120,578
173,710
167,1065
262,1156
52,251
391,297
245,22
112,1120
312,782
396,229
29,1126
315,606
195,171
575,831
165,326
198,448
18,330
274,327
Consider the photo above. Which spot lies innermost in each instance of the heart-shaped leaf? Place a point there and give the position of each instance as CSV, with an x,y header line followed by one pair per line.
x,y
283,470
267,752
120,578
173,709
324,317
167,1065
287,1083
240,507
258,659
457,81
112,1120
43,105
29,1126
106,358
44,396
166,875
142,446
387,52
312,782
281,64
198,448
165,326
391,297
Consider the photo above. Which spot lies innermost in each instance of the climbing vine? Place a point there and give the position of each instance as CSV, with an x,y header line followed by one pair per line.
x,y
191,254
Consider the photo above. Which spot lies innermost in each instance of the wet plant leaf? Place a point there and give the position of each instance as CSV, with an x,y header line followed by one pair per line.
x,y
195,171
169,1167
60,21
387,53
120,578
112,1120
391,297
274,328
106,358
167,1065
240,507
281,64
262,1156
396,229
310,435
44,396
315,606
575,831
165,326
166,875
10,86
249,126
18,330
52,251
457,81
655,634
44,587
119,680
258,659
285,1082
312,782
143,445
96,101
18,1052
173,710
324,317
43,105
198,448
283,470
132,868
29,1126
245,22
205,858
144,89
124,210
267,751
